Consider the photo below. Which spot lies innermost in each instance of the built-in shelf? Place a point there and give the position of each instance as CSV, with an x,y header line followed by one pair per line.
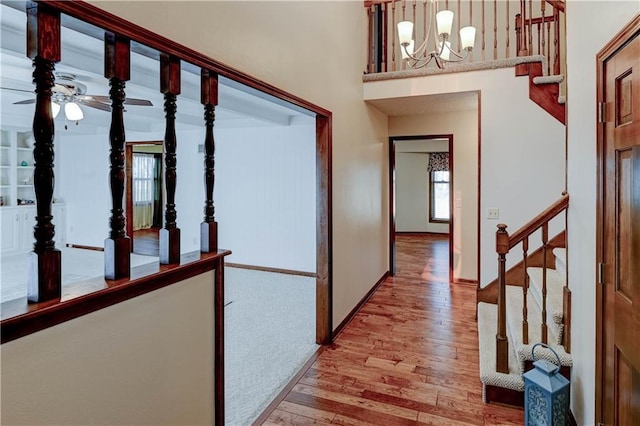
x,y
16,149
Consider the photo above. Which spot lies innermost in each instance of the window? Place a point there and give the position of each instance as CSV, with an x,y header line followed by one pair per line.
x,y
439,189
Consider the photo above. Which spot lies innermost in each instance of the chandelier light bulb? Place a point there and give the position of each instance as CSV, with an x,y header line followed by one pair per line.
x,y
444,21
408,50
467,37
446,50
405,32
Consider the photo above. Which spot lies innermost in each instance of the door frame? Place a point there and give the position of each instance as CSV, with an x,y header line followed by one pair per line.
x,y
392,196
128,193
629,32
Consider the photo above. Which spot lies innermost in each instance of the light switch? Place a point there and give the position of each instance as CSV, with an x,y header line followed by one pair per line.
x,y
493,213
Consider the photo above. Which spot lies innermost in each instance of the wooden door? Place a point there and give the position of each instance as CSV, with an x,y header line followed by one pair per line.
x,y
620,234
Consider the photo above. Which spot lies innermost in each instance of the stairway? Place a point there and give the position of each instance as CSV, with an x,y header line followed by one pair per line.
x,y
509,388
544,90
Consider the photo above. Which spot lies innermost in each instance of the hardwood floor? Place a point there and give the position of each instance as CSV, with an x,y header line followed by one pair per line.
x,y
146,242
410,356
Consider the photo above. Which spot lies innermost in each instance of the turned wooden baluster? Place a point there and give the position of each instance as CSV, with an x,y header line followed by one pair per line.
x,y
530,16
495,29
117,248
170,87
525,289
518,26
545,241
459,24
502,343
43,47
370,39
209,98
556,41
508,35
549,59
542,36
483,33
385,27
393,35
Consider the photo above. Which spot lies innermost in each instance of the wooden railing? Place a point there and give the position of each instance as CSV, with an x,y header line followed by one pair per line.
x,y
539,27
534,34
504,243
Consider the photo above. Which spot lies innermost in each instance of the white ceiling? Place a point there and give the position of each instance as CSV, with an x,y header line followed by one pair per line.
x,y
427,104
83,56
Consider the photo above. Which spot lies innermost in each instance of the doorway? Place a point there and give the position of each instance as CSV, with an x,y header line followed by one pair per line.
x,y
420,189
618,231
144,204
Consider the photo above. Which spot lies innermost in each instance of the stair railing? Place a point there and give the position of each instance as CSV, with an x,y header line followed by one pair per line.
x,y
496,37
504,243
533,34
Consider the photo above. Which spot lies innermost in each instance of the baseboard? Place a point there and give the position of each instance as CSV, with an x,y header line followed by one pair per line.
x,y
283,393
79,246
267,269
359,306
504,396
465,281
409,233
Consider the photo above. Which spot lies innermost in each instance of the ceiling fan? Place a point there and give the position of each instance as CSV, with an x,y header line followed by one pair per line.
x,y
71,93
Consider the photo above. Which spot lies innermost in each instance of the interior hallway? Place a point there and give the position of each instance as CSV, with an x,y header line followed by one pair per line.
x,y
410,356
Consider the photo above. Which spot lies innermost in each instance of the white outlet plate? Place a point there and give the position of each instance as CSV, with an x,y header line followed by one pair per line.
x,y
493,213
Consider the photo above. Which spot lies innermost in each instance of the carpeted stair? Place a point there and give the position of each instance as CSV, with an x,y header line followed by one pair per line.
x,y
519,352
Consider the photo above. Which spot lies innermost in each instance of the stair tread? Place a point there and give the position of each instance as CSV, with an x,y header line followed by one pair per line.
x,y
548,79
514,328
555,290
561,261
487,329
561,254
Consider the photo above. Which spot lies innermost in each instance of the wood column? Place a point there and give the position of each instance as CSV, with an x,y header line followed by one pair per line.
x,y
502,343
209,98
117,248
43,47
170,87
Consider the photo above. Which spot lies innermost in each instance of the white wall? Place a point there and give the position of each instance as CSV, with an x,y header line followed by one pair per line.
x,y
317,65
265,195
463,125
148,360
590,25
522,148
412,185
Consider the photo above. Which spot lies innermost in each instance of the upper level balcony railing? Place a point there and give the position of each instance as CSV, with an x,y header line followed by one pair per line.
x,y
504,30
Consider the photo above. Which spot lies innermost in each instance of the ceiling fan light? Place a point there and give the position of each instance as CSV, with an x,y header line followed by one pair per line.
x,y
73,111
55,109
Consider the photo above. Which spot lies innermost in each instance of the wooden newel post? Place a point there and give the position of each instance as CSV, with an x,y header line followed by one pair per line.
x,y
43,47
502,344
209,98
117,248
170,87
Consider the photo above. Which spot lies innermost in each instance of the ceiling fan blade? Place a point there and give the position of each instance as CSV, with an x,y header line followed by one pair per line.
x,y
16,90
95,104
140,102
27,101
127,101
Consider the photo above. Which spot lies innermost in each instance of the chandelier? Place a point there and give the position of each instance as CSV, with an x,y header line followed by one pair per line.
x,y
442,52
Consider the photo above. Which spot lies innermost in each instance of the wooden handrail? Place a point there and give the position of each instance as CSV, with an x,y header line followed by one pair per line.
x,y
504,243
557,4
535,223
